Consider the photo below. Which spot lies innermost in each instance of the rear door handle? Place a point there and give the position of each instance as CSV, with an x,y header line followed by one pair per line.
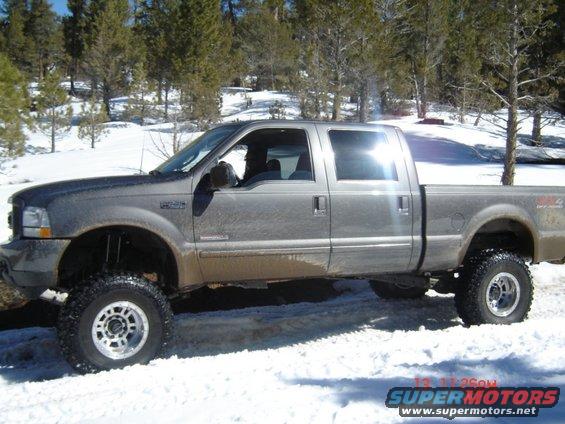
x,y
320,206
403,205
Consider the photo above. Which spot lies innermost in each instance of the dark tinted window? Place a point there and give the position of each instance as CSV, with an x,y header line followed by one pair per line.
x,y
271,155
362,155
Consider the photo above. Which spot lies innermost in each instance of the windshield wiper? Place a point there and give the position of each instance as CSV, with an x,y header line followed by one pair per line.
x,y
155,172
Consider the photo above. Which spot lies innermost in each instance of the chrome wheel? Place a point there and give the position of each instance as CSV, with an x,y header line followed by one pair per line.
x,y
120,330
503,294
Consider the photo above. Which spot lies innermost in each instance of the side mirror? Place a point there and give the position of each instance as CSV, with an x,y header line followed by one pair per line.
x,y
222,176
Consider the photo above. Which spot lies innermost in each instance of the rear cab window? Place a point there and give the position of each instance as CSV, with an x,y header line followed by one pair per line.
x,y
362,156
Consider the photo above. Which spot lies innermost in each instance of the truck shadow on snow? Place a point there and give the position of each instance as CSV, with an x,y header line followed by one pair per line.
x,y
515,370
281,316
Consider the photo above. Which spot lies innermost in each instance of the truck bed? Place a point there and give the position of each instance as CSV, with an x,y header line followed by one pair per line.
x,y
456,218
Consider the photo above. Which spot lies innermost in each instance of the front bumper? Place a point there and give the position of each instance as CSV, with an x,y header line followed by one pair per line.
x,y
31,266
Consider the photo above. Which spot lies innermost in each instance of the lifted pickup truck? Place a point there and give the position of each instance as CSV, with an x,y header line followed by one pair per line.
x,y
257,202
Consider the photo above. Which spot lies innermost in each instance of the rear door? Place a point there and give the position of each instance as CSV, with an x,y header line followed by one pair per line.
x,y
275,223
371,202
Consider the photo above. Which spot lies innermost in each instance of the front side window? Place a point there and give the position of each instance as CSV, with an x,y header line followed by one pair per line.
x,y
362,155
271,155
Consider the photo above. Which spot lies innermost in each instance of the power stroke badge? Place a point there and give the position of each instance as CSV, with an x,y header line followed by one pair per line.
x,y
173,204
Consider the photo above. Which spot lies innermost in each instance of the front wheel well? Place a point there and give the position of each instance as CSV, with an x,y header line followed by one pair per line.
x,y
506,234
119,248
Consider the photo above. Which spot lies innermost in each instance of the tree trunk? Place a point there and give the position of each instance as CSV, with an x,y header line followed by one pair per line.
x,y
336,104
53,131
73,75
424,98
463,106
93,84
416,90
159,91
167,88
512,123
536,130
106,98
478,119
272,71
364,102
40,68
384,102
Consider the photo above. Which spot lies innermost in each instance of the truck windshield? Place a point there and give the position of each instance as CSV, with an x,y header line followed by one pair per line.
x,y
188,157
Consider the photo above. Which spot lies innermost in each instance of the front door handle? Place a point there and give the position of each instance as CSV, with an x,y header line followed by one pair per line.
x,y
320,206
403,205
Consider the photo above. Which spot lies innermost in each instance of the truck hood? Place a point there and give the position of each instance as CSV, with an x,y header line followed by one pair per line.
x,y
42,195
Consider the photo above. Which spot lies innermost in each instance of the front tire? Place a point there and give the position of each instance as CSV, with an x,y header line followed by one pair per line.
x,y
397,291
496,288
112,321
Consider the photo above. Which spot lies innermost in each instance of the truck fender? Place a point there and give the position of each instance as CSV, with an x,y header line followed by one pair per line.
x,y
494,213
184,250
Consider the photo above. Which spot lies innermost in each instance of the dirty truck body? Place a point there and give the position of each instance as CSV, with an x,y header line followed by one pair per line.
x,y
266,201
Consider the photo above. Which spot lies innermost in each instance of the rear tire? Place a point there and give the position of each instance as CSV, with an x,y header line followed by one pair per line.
x,y
112,321
397,291
496,288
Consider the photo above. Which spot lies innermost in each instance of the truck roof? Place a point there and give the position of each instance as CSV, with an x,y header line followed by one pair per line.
x,y
304,121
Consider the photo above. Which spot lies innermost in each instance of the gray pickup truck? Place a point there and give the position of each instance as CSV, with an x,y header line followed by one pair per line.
x,y
251,203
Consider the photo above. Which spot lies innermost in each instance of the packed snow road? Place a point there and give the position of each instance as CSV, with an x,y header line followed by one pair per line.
x,y
307,362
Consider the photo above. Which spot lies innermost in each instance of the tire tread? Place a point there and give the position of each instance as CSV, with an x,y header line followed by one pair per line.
x,y
86,292
475,269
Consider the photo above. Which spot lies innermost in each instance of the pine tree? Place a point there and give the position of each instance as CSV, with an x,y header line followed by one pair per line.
x,y
109,55
17,45
546,60
199,58
365,57
74,29
44,30
92,122
269,49
140,101
393,70
466,49
512,46
426,34
312,83
155,26
331,26
55,113
14,106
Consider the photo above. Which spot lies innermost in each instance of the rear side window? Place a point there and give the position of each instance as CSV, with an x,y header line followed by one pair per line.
x,y
362,155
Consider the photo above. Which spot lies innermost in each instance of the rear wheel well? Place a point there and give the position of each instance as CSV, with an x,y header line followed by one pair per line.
x,y
119,248
506,234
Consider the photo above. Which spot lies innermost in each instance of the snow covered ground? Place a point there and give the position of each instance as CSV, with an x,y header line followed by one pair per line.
x,y
310,362
332,361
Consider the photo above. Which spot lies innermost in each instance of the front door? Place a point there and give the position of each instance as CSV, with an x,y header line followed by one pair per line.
x,y
275,223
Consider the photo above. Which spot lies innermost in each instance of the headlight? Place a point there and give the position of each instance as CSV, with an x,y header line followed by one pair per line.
x,y
35,223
